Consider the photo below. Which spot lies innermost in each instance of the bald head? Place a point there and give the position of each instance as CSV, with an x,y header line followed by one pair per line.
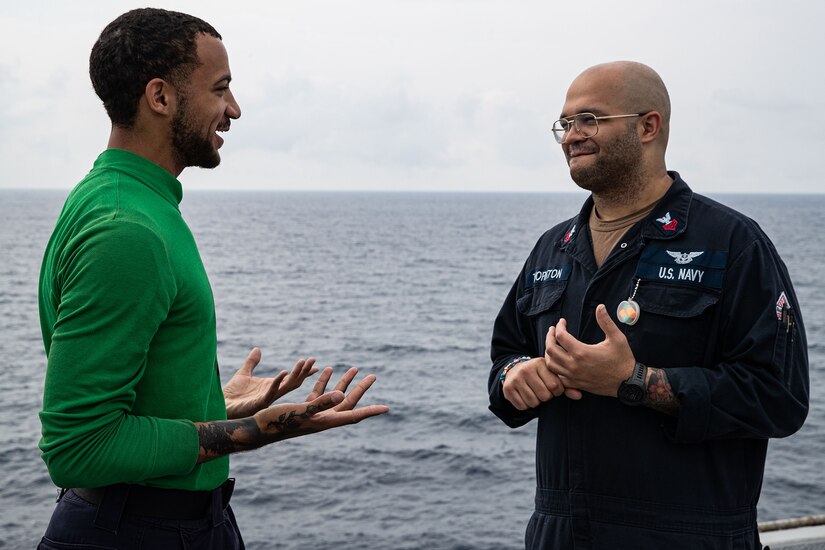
x,y
621,160
633,88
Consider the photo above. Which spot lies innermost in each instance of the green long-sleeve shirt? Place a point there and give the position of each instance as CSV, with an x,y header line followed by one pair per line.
x,y
128,322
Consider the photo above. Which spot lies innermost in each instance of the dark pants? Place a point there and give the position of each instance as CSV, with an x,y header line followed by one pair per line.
x,y
79,525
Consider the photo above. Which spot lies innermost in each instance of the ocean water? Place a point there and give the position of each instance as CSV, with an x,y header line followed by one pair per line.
x,y
405,286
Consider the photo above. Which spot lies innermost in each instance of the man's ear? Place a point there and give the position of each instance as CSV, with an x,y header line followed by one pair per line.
x,y
160,96
651,125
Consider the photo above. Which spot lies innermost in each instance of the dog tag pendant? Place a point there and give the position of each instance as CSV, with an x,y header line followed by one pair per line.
x,y
628,312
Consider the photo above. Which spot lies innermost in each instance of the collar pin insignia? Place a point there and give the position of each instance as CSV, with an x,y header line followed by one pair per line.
x,y
668,223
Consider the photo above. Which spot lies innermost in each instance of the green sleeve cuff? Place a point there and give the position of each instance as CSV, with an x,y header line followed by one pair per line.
x,y
177,448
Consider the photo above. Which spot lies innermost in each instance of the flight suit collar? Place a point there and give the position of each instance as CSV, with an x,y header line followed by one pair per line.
x,y
667,220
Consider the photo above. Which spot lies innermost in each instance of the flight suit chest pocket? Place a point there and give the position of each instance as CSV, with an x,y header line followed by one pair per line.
x,y
541,302
674,301
674,322
543,289
540,299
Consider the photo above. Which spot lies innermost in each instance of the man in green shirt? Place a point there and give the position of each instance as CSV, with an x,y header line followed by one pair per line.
x,y
135,425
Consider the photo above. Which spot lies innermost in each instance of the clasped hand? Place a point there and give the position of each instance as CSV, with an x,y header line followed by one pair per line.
x,y
570,366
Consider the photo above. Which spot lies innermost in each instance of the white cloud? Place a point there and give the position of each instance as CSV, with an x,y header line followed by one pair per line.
x,y
449,94
332,124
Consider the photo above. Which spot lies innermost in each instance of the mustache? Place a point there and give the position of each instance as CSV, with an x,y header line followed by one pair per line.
x,y
581,147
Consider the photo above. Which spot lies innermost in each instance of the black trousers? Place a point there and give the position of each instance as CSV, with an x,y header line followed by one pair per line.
x,y
80,525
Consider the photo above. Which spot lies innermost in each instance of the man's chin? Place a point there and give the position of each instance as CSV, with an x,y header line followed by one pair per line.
x,y
210,161
214,163
584,178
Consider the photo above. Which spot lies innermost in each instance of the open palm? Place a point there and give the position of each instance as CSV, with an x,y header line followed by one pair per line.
x,y
246,394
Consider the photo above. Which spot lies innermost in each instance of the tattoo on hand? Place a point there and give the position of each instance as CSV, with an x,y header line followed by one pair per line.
x,y
291,422
659,395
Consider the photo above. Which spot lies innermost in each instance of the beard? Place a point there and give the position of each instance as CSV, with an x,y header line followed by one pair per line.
x,y
189,147
617,172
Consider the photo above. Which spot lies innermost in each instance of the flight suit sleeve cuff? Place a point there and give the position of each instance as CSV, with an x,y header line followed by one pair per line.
x,y
505,410
693,392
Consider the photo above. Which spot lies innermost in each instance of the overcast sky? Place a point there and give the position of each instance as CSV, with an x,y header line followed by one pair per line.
x,y
438,95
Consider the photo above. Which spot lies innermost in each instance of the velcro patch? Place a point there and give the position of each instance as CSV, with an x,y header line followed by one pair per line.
x,y
781,305
675,265
546,275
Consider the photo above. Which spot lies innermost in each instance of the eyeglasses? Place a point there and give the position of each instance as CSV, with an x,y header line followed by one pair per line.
x,y
586,124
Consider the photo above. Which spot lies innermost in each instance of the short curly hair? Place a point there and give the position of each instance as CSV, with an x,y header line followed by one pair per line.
x,y
138,46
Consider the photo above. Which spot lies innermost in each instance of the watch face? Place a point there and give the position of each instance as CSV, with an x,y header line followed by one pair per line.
x,y
630,393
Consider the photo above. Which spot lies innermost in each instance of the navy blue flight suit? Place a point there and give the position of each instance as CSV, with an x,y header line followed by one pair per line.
x,y
719,314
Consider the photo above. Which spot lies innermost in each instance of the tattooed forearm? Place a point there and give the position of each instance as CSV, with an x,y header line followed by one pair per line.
x,y
658,393
223,437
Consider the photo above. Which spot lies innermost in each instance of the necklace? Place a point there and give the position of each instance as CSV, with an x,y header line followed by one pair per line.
x,y
628,311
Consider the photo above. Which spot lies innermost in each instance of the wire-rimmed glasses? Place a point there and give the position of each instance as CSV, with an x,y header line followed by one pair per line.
x,y
586,124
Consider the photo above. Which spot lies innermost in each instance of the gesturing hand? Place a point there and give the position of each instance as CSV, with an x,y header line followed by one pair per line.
x,y
596,368
321,411
246,394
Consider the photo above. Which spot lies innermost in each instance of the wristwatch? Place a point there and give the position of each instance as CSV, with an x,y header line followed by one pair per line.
x,y
632,390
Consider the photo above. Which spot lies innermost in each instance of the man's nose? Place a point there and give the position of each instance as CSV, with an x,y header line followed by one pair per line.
x,y
572,136
233,110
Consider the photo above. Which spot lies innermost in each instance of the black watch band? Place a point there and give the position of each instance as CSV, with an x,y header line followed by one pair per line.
x,y
632,390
